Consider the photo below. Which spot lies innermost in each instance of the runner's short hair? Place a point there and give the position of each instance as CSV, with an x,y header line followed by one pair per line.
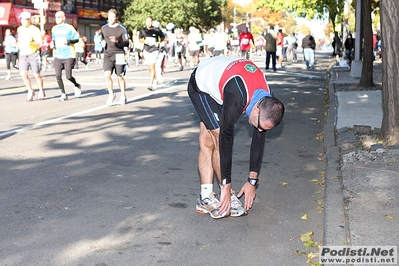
x,y
272,110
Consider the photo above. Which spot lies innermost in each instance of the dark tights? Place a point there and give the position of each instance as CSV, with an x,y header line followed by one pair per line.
x,y
67,64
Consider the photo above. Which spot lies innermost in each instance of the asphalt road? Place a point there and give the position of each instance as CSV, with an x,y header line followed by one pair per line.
x,y
86,184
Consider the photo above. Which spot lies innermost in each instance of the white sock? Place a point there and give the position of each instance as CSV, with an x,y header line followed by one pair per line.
x,y
206,190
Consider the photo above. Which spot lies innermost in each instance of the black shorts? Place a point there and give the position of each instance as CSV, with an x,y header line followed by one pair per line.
x,y
218,52
209,111
109,65
44,53
67,64
194,53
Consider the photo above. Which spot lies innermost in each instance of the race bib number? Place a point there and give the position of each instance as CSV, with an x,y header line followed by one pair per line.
x,y
245,41
60,42
179,48
150,41
120,59
235,42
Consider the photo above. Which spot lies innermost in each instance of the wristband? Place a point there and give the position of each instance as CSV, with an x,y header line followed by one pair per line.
x,y
253,181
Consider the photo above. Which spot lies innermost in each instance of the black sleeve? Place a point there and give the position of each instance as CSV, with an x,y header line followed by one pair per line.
x,y
123,40
141,34
73,41
231,110
313,43
256,152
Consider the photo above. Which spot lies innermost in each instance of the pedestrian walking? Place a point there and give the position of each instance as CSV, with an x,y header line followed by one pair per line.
x,y
170,41
11,52
151,37
137,47
64,37
194,39
209,43
220,39
179,48
235,43
162,58
349,45
29,41
221,89
80,47
245,43
279,48
308,46
116,38
98,46
293,45
286,49
44,50
271,48
260,44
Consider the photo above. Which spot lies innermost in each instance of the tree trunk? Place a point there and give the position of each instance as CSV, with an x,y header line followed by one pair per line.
x,y
366,79
390,71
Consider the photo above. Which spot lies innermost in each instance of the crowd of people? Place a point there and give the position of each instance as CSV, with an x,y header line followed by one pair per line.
x,y
153,46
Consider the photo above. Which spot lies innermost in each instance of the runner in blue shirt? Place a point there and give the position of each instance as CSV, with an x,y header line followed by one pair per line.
x,y
64,36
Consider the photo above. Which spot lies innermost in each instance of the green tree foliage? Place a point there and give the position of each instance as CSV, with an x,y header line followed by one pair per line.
x,y
182,13
309,8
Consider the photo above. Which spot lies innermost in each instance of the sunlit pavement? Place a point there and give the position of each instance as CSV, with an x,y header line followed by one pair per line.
x,y
87,184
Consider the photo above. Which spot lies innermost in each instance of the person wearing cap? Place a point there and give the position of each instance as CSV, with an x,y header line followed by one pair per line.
x,y
221,89
245,43
29,41
116,40
64,37
151,37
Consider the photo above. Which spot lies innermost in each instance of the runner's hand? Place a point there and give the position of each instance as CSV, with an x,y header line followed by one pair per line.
x,y
225,200
250,194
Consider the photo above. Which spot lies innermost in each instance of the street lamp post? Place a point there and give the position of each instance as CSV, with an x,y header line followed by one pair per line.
x,y
356,66
240,3
41,6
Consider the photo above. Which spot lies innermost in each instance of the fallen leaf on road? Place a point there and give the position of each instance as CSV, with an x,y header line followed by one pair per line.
x,y
304,217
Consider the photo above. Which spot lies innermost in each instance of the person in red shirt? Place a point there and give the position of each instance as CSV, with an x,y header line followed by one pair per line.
x,y
245,43
44,49
280,44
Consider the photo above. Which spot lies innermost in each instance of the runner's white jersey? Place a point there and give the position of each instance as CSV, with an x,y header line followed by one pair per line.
x,y
212,75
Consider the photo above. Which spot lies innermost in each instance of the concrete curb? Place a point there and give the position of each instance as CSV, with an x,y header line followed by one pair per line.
x,y
335,226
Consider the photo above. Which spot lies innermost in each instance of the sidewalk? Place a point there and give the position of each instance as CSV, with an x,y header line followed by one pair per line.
x,y
361,186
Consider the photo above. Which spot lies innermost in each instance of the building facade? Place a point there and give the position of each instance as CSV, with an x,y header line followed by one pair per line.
x,y
86,16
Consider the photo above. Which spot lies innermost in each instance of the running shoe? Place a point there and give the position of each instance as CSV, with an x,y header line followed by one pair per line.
x,y
154,86
8,77
122,100
30,95
110,99
209,206
77,90
63,98
236,209
41,96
